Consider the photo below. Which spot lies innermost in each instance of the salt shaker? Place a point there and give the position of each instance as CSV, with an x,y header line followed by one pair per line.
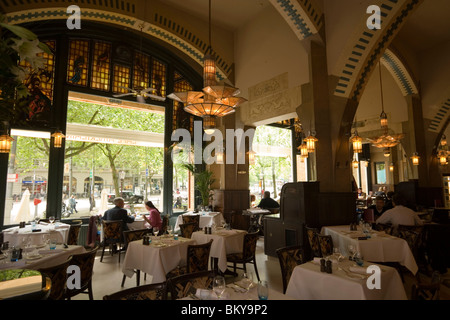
x,y
329,268
322,265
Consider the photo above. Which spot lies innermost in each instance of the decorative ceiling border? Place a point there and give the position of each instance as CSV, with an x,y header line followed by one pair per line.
x,y
400,73
303,16
370,45
159,32
441,117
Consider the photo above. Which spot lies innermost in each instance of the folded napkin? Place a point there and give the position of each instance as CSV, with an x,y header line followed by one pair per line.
x,y
356,269
43,223
204,294
50,251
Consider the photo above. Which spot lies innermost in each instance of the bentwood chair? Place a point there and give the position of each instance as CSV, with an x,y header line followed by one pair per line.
x,y
154,291
326,245
165,223
58,275
289,258
387,228
74,232
413,236
187,284
112,236
192,219
248,255
422,291
187,229
313,242
85,261
129,236
197,260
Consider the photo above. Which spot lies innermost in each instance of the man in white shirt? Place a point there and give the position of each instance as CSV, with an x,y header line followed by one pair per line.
x,y
399,214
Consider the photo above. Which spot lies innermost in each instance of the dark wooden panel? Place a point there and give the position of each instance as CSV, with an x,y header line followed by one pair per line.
x,y
273,236
231,203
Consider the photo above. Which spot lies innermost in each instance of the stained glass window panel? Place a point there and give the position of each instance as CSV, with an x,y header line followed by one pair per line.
x,y
101,66
77,71
121,79
141,76
159,81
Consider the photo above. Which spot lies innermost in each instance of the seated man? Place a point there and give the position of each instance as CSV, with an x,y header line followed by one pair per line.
x,y
119,213
378,207
400,214
267,202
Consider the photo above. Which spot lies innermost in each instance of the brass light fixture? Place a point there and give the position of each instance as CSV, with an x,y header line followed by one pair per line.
x,y
415,159
443,159
5,140
355,162
391,167
57,138
304,151
251,157
385,140
443,141
356,142
215,100
219,156
311,141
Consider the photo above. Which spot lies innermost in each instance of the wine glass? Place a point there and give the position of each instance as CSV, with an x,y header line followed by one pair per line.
x,y
155,231
5,251
336,254
351,251
263,290
170,230
359,259
247,280
219,286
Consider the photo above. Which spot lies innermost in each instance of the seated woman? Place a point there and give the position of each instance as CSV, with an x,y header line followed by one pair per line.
x,y
154,219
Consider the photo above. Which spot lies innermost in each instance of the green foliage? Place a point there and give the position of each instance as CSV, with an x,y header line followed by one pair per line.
x,y
203,182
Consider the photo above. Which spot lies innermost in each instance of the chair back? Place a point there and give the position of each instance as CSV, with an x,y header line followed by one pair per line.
x,y
369,215
187,284
289,258
326,244
112,230
58,275
198,257
74,232
313,241
387,228
86,263
133,235
421,291
154,291
250,240
192,219
165,223
412,235
187,229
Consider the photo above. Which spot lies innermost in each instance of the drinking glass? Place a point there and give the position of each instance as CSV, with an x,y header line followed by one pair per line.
x,y
336,254
5,251
45,239
219,286
247,280
155,231
52,244
169,230
359,259
351,252
51,219
263,290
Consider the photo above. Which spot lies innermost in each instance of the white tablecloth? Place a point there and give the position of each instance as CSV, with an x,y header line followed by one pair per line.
x,y
379,248
49,258
16,235
224,242
308,283
139,223
207,219
154,260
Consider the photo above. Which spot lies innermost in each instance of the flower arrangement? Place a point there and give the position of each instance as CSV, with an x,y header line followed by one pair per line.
x,y
17,44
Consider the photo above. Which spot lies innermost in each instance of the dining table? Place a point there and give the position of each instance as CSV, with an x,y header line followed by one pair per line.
x,y
207,219
18,237
380,247
162,255
224,242
42,257
346,282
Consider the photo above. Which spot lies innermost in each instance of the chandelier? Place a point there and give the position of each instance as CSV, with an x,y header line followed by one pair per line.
x,y
385,140
214,100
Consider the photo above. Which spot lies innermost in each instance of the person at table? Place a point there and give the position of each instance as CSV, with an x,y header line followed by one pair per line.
x,y
379,207
267,202
400,214
154,219
388,204
119,213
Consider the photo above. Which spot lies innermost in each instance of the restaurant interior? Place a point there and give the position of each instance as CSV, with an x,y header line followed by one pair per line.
x,y
180,118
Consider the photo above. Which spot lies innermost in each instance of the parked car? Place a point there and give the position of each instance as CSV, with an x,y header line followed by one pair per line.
x,y
128,196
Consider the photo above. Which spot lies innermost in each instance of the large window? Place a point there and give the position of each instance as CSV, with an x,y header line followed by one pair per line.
x,y
26,193
380,170
273,161
112,152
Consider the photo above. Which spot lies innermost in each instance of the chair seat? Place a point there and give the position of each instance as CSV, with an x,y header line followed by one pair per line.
x,y
178,271
237,257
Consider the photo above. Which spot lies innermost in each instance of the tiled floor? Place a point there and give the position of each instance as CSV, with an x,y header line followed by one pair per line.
x,y
108,275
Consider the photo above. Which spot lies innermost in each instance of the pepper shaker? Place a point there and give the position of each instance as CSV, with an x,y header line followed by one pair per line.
x,y
322,265
329,268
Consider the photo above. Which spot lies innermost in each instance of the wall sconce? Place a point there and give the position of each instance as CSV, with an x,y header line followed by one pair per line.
x,y
251,157
57,139
415,159
219,156
391,167
5,140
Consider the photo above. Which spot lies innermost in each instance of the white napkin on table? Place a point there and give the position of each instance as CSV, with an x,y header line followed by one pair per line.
x,y
50,251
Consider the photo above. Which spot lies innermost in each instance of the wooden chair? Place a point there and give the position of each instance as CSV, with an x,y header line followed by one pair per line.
x,y
165,223
247,255
112,236
187,284
196,261
387,228
192,219
289,258
129,236
86,263
58,275
413,236
187,229
155,291
313,242
326,245
422,291
74,232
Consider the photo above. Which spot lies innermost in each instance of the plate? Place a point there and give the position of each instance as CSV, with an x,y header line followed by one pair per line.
x,y
159,245
38,256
